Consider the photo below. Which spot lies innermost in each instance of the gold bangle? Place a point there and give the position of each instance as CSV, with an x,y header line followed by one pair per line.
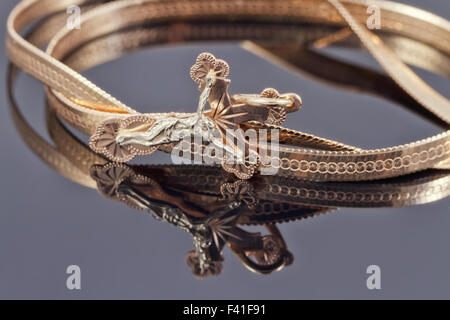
x,y
332,162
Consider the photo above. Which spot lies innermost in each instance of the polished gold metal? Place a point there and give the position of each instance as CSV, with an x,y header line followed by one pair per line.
x,y
86,106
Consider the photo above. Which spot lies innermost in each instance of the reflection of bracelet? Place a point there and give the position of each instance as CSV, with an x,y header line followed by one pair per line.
x,y
89,108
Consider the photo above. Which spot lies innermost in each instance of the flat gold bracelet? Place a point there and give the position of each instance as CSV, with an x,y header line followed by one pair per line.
x,y
120,133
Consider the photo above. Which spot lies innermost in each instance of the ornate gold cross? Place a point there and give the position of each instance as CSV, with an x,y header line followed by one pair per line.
x,y
122,139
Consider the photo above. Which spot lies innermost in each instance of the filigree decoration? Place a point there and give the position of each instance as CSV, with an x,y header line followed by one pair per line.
x,y
242,169
206,63
109,177
239,190
105,140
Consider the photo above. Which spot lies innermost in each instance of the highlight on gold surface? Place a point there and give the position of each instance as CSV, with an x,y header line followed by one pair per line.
x,y
99,107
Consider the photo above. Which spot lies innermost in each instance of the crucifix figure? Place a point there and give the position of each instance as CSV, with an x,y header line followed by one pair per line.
x,y
174,129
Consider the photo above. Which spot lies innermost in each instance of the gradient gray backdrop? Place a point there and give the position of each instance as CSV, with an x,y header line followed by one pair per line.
x,y
48,222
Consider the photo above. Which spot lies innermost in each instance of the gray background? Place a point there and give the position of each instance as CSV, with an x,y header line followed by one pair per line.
x,y
48,222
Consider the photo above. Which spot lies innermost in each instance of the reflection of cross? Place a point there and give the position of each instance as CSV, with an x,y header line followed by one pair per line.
x,y
211,225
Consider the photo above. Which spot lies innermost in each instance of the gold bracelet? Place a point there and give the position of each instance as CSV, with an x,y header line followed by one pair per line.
x,y
205,196
120,133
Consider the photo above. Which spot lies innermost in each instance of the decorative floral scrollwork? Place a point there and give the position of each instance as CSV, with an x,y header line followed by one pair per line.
x,y
109,177
205,64
239,190
105,138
